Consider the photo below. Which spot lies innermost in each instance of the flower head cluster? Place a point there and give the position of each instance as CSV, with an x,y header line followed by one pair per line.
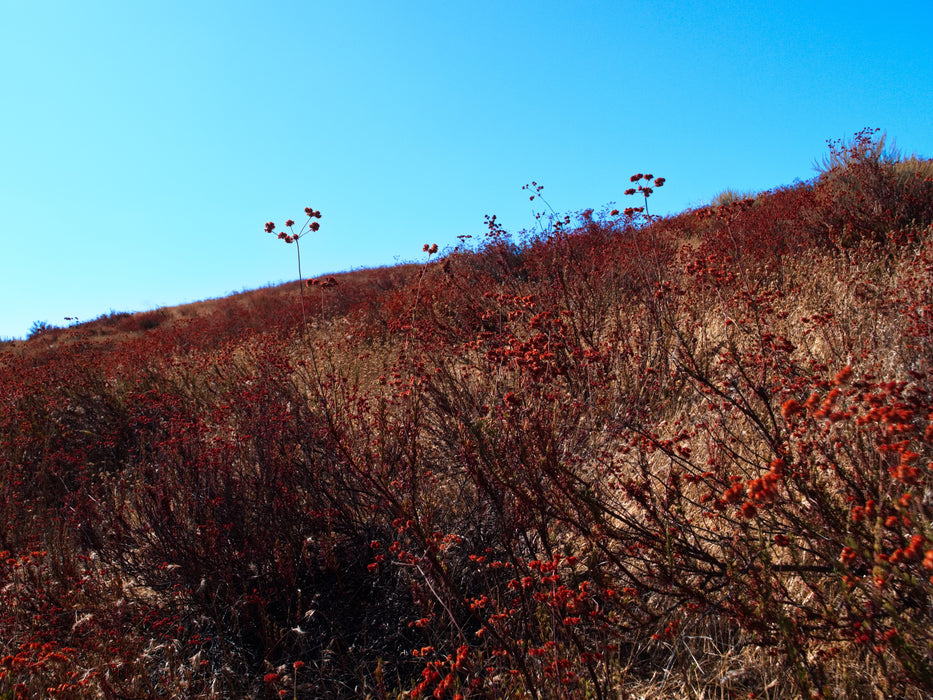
x,y
646,191
291,237
329,283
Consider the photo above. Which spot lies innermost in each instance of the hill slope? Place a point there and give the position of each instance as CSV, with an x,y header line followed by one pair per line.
x,y
677,456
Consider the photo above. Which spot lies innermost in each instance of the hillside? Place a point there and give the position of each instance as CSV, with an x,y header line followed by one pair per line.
x,y
626,456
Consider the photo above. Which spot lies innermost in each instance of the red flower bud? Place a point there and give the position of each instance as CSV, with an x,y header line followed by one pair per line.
x,y
842,377
847,556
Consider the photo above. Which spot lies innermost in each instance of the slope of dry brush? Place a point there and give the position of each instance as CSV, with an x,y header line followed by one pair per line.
x,y
625,457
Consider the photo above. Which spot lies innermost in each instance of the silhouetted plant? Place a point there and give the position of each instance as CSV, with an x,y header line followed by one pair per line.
x,y
38,328
309,226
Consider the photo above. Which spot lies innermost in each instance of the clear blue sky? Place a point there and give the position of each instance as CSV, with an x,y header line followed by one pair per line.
x,y
145,144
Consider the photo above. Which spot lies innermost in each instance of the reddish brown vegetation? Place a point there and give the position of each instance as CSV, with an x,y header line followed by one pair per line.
x,y
629,452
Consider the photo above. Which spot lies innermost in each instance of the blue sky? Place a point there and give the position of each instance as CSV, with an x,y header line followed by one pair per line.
x,y
145,144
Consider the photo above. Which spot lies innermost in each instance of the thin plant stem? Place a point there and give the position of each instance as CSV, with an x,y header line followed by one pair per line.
x,y
301,286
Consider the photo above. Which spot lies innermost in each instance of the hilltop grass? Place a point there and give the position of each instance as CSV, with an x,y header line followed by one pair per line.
x,y
625,456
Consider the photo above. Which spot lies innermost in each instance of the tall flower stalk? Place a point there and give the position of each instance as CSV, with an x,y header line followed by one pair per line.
x,y
292,237
430,249
646,190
